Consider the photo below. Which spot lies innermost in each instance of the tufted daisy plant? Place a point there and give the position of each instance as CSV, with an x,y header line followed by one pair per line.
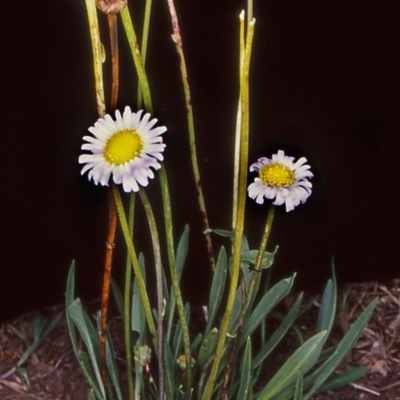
x,y
282,179
129,148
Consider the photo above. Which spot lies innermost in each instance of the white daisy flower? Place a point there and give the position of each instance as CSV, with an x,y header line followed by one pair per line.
x,y
282,179
127,148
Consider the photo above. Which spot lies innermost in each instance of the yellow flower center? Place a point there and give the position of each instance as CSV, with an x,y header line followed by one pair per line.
x,y
123,146
277,175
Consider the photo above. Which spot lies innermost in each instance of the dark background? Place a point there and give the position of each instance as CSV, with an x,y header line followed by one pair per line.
x,y
324,84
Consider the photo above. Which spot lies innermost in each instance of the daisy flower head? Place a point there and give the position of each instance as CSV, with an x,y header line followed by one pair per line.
x,y
129,148
281,179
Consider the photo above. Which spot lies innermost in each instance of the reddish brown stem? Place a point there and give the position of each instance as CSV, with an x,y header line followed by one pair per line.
x,y
106,284
112,25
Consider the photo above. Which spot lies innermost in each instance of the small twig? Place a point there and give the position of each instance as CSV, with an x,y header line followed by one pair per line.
x,y
365,389
397,383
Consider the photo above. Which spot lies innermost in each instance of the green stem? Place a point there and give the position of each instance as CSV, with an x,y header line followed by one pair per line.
x,y
192,137
130,33
127,301
137,59
174,275
97,56
135,264
159,284
255,277
244,95
145,37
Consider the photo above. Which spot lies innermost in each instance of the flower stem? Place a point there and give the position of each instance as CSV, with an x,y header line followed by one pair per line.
x,y
176,37
242,181
174,275
255,277
105,295
136,268
159,284
127,301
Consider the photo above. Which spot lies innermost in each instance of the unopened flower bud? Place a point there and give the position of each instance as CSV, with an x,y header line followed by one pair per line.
x,y
111,6
181,361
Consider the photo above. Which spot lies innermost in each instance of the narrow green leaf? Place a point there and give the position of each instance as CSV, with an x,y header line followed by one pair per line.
x,y
31,349
85,366
298,392
38,325
266,304
182,251
177,340
250,256
81,321
304,358
217,288
237,308
221,232
137,316
279,332
110,359
196,342
327,368
112,365
245,372
169,367
327,311
22,371
343,379
119,300
91,395
80,356
69,298
208,347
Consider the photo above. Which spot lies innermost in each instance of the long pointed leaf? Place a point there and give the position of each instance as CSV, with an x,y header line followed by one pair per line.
x,y
279,332
245,372
266,304
303,359
326,369
78,315
217,288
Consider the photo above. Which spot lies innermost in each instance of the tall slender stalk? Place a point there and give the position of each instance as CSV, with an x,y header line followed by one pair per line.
x,y
145,37
174,275
136,266
127,301
255,278
113,30
190,119
97,56
137,58
130,32
241,199
159,283
99,88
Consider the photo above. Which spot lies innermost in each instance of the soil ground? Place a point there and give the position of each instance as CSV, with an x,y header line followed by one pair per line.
x,y
52,372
